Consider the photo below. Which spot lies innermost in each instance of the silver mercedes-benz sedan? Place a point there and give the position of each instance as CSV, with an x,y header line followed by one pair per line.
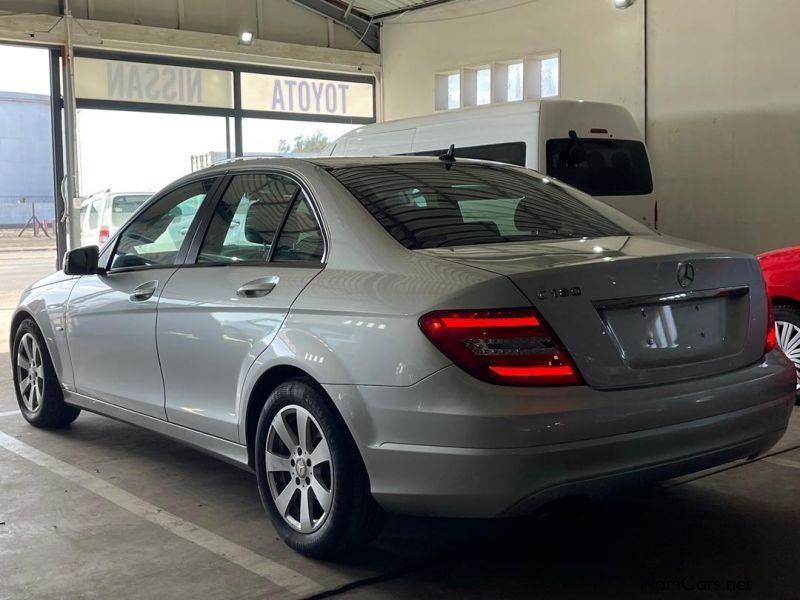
x,y
415,335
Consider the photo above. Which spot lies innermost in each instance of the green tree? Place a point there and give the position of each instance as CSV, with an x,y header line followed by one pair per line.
x,y
312,143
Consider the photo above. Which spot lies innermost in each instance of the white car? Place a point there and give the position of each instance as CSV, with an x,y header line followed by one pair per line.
x,y
103,213
439,337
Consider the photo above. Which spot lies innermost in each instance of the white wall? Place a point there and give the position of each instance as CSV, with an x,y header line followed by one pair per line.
x,y
725,120
724,94
601,48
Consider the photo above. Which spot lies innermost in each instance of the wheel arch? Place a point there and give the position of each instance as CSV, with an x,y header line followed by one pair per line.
x,y
263,387
16,321
785,300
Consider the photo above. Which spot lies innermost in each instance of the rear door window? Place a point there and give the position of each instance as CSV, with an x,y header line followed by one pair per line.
x,y
301,237
601,167
247,219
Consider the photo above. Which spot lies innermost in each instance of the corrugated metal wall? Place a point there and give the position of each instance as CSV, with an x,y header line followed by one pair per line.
x,y
26,159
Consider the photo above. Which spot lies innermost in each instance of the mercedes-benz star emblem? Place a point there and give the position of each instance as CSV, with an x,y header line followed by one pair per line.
x,y
685,274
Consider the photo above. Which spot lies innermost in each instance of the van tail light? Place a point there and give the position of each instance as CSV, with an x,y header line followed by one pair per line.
x,y
772,336
509,346
103,235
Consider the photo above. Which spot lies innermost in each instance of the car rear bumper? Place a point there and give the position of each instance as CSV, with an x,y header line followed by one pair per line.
x,y
452,446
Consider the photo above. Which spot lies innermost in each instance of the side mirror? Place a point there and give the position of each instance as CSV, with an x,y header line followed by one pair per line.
x,y
81,261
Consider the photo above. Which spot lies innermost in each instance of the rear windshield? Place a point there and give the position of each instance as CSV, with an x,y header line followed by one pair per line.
x,y
425,205
123,207
601,167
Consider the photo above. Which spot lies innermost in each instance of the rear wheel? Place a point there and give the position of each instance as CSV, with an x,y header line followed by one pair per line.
x,y
312,482
35,382
787,327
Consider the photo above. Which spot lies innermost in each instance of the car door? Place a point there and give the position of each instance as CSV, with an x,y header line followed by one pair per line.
x,y
261,246
111,316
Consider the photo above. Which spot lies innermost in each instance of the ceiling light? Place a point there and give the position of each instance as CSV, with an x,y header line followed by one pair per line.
x,y
623,3
246,39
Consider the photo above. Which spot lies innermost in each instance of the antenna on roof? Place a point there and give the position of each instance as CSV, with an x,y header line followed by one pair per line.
x,y
449,157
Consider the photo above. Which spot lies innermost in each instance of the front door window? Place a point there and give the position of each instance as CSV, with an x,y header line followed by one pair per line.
x,y
155,237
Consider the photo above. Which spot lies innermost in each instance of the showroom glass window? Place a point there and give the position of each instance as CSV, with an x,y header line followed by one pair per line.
x,y
247,219
155,237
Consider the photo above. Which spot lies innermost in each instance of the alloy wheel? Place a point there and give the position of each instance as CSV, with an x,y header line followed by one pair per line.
x,y
299,469
789,339
30,372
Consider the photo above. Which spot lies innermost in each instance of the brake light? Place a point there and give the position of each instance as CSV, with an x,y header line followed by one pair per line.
x,y
509,346
772,336
103,234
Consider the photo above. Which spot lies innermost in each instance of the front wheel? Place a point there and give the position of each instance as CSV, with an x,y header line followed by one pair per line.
x,y
311,479
787,328
39,394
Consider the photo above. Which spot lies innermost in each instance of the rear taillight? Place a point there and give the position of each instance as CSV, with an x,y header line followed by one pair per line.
x,y
509,346
103,235
772,336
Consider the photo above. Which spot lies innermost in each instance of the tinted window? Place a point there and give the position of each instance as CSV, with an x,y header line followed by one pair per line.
x,y
300,238
123,207
512,153
601,167
428,206
156,235
246,219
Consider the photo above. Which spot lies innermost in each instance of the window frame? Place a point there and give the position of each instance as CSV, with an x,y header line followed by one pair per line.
x,y
106,258
199,235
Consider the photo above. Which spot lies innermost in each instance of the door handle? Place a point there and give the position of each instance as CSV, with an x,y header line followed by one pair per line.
x,y
258,287
144,291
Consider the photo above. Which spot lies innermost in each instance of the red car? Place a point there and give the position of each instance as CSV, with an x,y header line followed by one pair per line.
x,y
782,274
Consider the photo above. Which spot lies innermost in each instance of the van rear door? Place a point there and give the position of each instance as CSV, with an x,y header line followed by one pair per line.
x,y
598,149
375,142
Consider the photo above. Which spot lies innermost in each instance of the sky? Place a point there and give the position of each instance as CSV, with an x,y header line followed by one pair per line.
x,y
24,69
136,151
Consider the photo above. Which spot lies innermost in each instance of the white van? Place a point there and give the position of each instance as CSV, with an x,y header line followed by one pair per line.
x,y
103,213
593,146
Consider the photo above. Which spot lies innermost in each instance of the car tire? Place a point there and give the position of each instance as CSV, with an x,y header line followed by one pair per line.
x,y
344,520
787,322
36,385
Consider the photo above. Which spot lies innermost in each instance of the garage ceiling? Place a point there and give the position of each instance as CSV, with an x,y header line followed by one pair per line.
x,y
383,8
361,16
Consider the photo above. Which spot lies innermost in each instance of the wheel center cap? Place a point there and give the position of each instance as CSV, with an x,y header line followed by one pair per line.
x,y
300,467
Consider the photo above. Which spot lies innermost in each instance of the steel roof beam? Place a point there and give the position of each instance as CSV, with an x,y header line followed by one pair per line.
x,y
363,28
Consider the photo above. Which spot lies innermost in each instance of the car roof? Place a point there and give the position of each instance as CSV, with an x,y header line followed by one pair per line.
x,y
326,162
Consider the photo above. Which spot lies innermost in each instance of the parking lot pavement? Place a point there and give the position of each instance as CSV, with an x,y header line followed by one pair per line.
x,y
19,269
740,526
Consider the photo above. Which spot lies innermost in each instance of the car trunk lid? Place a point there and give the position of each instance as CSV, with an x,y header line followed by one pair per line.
x,y
637,310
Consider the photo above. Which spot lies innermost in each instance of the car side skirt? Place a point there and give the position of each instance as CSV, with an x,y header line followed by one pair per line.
x,y
230,452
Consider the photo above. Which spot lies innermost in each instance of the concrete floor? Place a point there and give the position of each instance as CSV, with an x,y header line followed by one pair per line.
x,y
105,510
